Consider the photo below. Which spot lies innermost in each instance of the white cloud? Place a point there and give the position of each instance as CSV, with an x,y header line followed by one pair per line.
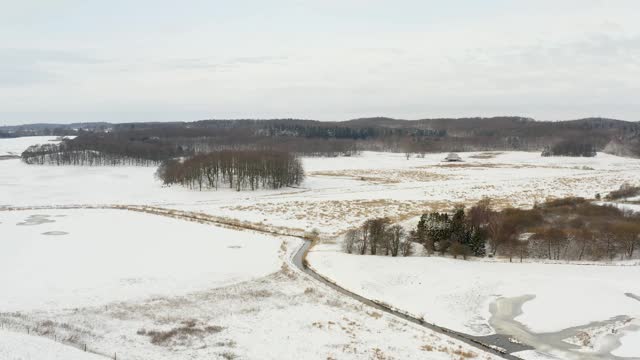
x,y
327,60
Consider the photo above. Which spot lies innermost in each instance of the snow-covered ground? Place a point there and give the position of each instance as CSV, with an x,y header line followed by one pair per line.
x,y
633,198
214,311
149,287
282,315
458,294
338,192
17,346
15,146
630,346
76,258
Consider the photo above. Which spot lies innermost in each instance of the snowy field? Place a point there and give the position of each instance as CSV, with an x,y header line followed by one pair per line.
x,y
630,344
16,346
15,146
338,192
416,284
76,258
150,287
458,294
194,297
143,282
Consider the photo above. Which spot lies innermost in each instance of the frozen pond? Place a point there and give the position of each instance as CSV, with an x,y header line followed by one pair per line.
x,y
602,337
73,258
580,301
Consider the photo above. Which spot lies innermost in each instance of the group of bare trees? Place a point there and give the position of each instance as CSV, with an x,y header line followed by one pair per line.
x,y
179,164
625,191
562,229
377,237
102,150
240,170
565,229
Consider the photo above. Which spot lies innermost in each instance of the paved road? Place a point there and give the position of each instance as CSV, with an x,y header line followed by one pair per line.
x,y
487,343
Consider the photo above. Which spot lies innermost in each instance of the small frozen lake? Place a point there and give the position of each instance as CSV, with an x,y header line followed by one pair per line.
x,y
72,258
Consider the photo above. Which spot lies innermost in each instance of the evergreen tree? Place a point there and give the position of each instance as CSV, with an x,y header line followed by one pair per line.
x,y
477,244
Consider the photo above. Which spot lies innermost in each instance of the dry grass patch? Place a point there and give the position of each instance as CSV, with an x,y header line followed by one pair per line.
x,y
180,336
228,355
459,352
486,155
202,218
309,291
335,303
359,175
287,272
385,176
374,314
256,294
427,348
378,354
475,165
226,343
464,354
317,324
328,213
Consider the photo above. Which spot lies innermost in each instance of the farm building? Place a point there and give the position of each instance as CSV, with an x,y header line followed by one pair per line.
x,y
452,157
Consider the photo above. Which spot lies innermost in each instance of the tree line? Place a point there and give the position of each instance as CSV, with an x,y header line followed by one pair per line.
x,y
315,138
625,191
101,149
573,147
377,237
235,169
561,229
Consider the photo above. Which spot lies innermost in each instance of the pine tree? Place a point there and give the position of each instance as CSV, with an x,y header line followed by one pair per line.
x,y
477,244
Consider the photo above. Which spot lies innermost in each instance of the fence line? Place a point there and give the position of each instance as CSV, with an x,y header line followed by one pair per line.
x,y
173,213
14,327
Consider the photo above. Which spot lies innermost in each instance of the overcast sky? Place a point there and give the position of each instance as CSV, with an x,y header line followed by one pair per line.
x,y
155,60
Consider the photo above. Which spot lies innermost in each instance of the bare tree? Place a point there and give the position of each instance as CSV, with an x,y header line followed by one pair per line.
x,y
377,231
396,235
480,214
515,246
553,238
351,238
495,228
458,249
627,233
406,248
363,242
238,170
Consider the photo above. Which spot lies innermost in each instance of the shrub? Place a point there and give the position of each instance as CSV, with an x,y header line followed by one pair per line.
x,y
625,191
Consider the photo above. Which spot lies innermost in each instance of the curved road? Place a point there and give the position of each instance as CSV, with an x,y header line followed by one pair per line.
x,y
492,343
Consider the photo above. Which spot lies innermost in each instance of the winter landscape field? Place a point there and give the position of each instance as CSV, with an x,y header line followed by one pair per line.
x,y
320,180
104,257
